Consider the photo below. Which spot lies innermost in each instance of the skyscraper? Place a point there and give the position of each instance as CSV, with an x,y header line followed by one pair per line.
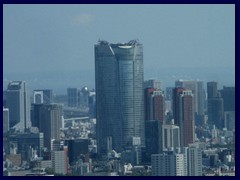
x,y
154,105
184,115
198,93
73,97
18,103
194,160
215,106
119,94
50,122
153,137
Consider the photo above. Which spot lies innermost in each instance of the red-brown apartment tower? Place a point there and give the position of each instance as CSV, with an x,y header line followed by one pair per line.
x,y
183,112
154,105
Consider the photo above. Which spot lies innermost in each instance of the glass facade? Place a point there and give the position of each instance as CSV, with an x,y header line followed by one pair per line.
x,y
119,94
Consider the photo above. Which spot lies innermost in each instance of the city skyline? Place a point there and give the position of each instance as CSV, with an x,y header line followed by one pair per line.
x,y
186,42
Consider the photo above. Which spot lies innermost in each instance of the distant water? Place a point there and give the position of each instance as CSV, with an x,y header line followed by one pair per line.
x,y
60,81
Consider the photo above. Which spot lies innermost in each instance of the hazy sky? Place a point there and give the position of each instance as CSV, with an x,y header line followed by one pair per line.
x,y
52,46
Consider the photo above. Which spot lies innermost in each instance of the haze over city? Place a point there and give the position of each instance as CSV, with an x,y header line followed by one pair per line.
x,y
51,46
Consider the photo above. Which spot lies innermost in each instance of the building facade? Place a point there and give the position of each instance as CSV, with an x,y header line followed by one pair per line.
x,y
154,105
170,136
18,103
50,122
183,111
119,94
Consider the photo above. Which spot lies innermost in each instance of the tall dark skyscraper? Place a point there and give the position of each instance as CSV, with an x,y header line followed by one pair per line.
x,y
18,103
119,94
73,97
212,89
215,106
50,122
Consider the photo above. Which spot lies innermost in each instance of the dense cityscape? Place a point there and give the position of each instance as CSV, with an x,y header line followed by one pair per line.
x,y
124,126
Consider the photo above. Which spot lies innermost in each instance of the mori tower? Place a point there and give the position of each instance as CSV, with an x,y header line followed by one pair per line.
x,y
119,95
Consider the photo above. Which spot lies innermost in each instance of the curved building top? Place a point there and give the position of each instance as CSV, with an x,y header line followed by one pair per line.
x,y
121,45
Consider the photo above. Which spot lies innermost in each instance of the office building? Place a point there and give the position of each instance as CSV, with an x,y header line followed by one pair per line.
x,y
153,138
119,94
50,122
73,95
77,149
228,95
154,105
212,91
5,120
18,103
183,112
215,106
35,114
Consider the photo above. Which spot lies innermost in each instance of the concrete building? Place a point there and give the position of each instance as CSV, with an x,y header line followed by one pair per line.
x,y
170,136
168,164
60,161
18,103
119,94
194,160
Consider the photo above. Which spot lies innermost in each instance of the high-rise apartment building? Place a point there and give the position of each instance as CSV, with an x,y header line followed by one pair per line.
x,y
60,160
18,103
194,160
183,111
168,163
154,105
119,93
198,91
